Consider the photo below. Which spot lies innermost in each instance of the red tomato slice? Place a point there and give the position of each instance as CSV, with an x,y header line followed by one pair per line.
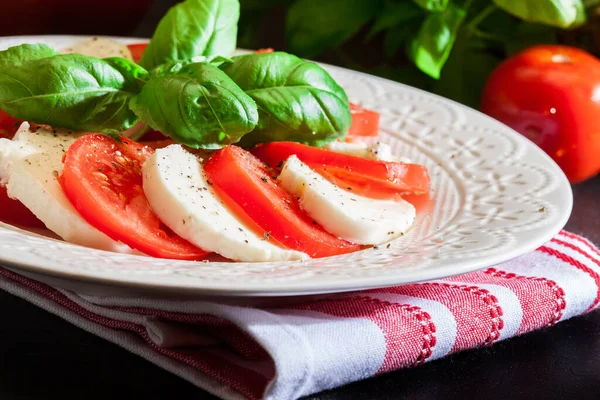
x,y
265,50
103,180
247,188
15,213
365,123
370,178
8,125
137,50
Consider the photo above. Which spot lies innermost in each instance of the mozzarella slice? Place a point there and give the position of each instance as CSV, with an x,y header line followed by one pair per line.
x,y
354,218
100,48
376,151
179,194
30,165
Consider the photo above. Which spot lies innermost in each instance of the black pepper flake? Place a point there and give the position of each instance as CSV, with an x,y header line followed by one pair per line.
x,y
246,241
264,179
240,229
314,222
267,235
209,183
349,188
280,164
183,220
543,209
375,247
388,246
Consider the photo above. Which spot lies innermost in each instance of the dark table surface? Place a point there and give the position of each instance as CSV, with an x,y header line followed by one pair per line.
x,y
42,356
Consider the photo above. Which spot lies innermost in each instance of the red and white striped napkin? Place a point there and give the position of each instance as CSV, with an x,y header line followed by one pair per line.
x,y
284,353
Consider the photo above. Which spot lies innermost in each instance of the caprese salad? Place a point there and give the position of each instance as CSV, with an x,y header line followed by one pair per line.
x,y
259,157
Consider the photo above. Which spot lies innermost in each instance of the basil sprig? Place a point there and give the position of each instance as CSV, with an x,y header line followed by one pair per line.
x,y
186,87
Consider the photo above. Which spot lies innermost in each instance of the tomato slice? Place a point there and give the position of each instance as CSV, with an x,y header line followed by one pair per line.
x,y
246,186
8,125
365,123
370,178
103,180
15,213
137,50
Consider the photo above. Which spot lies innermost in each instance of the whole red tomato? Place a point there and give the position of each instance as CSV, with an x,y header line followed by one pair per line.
x,y
551,94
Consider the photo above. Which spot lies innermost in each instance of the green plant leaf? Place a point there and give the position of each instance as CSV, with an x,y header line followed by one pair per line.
x,y
527,34
199,106
432,5
17,55
194,28
313,25
432,46
559,13
69,90
174,67
297,100
467,70
393,14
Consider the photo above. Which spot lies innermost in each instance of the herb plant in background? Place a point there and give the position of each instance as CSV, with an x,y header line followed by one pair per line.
x,y
448,47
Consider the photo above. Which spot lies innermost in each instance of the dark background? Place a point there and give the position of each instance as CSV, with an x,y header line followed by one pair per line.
x,y
41,356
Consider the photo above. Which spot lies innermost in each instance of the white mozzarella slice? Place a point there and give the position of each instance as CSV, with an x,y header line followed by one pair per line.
x,y
100,48
30,165
177,190
376,151
344,214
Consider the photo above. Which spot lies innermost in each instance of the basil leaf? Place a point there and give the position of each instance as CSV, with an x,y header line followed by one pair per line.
x,y
194,28
432,46
313,25
136,75
432,5
394,14
69,91
15,56
559,13
199,106
297,100
175,66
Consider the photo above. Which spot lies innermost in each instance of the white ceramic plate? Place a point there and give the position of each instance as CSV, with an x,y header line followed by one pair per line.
x,y
495,196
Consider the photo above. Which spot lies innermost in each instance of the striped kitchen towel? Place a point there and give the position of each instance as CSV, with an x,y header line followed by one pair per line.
x,y
295,350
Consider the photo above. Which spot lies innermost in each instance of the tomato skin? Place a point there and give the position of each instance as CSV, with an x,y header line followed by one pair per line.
x,y
15,213
137,50
369,178
103,180
550,94
247,187
365,123
8,125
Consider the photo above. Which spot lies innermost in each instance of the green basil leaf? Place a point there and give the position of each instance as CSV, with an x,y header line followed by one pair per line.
x,y
136,76
175,66
194,28
313,25
199,106
432,5
297,100
432,46
69,91
394,14
559,13
15,56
